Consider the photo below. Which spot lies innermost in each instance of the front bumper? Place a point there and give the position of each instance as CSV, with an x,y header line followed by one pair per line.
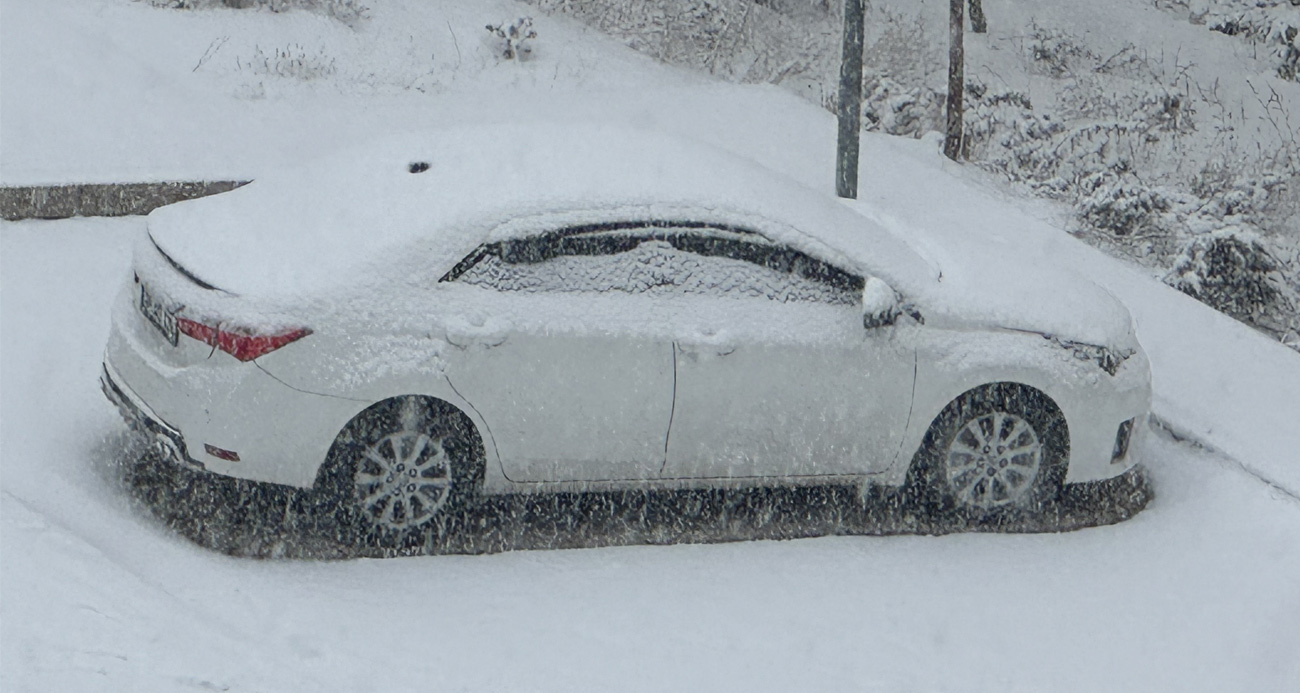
x,y
1097,417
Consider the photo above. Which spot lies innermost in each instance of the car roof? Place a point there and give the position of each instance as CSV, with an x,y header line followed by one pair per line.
x,y
344,216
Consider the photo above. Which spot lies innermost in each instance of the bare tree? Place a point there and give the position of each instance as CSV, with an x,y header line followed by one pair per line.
x,y
978,23
850,106
952,142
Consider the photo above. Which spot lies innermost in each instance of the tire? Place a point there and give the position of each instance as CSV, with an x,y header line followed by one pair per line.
x,y
998,449
403,467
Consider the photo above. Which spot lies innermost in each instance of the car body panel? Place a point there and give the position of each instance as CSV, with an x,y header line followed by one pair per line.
x,y
755,399
1093,401
281,435
564,405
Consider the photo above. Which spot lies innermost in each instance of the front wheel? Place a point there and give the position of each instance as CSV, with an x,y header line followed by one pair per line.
x,y
402,467
995,449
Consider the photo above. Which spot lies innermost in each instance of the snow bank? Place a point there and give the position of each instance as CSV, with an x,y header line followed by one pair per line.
x,y
118,91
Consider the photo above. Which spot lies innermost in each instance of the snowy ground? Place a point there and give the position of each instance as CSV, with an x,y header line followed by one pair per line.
x,y
1199,592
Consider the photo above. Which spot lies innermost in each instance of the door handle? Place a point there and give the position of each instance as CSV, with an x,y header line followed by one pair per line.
x,y
465,331
710,343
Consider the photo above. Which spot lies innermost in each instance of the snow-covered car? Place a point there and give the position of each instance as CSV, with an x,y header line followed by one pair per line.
x,y
531,308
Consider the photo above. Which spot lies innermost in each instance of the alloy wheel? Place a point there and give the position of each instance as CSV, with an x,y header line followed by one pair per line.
x,y
404,479
993,460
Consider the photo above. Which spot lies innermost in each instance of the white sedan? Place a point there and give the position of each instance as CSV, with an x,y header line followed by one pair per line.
x,y
520,309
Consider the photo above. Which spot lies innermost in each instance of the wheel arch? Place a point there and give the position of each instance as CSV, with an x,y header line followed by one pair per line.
x,y
947,373
439,399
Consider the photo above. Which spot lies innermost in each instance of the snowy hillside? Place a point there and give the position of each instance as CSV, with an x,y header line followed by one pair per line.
x,y
1200,592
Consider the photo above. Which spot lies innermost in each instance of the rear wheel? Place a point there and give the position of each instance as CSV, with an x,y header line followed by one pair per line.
x,y
405,466
996,449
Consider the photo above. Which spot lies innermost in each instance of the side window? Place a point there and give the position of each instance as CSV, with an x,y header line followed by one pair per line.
x,y
667,259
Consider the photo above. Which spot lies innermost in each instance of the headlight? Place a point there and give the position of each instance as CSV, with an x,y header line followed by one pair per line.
x,y
1122,438
1108,359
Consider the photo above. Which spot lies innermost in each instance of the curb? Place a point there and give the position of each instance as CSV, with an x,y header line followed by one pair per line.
x,y
101,199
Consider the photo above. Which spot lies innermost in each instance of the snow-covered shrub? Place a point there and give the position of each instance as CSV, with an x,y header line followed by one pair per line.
x,y
1263,195
1054,53
898,109
1146,106
1274,24
1121,207
738,40
350,12
514,39
900,66
1271,23
1231,270
1004,133
291,62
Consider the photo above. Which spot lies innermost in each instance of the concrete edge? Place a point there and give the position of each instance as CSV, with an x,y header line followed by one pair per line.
x,y
101,199
1184,435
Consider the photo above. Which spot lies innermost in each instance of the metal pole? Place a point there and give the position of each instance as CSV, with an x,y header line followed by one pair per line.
x,y
850,111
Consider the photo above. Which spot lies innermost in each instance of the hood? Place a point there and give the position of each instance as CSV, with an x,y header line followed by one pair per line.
x,y
986,279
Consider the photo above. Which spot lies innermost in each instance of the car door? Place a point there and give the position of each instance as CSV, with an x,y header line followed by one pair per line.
x,y
776,375
551,349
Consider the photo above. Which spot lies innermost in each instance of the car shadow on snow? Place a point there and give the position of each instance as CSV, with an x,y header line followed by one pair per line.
x,y
263,521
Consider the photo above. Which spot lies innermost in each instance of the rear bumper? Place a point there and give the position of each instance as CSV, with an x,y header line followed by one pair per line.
x,y
166,439
203,409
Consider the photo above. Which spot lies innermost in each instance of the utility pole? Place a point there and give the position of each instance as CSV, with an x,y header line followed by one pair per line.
x,y
956,77
850,106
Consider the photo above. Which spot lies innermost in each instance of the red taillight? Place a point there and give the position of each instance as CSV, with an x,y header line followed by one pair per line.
x,y
197,330
238,343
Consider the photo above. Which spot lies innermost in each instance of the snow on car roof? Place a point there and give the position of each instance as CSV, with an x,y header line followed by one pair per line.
x,y
356,215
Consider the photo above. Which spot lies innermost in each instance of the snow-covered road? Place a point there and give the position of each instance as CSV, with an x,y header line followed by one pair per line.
x,y
1199,592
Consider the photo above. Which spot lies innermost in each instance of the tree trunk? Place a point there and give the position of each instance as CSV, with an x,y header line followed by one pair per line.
x,y
956,78
978,23
850,107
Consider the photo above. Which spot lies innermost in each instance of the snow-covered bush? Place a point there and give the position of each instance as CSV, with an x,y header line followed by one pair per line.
x,y
1231,270
1264,195
1097,131
902,76
1121,207
899,109
1273,24
350,12
737,40
514,40
1053,52
1004,133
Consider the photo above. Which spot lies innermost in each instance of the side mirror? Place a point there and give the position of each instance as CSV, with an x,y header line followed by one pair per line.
x,y
881,305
